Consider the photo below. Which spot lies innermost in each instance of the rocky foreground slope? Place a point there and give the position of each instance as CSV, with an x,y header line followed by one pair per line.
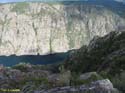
x,y
28,78
41,28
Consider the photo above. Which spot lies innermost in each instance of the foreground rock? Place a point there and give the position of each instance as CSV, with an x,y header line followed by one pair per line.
x,y
60,79
101,86
89,75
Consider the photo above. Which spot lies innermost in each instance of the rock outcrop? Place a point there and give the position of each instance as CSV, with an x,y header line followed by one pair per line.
x,y
42,28
101,86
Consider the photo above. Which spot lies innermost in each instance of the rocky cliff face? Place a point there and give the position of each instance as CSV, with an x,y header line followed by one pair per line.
x,y
41,28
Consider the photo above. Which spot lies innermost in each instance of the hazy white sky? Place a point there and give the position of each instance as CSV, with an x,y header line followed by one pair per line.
x,y
3,1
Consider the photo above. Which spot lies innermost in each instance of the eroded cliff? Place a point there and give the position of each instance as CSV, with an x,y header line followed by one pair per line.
x,y
42,28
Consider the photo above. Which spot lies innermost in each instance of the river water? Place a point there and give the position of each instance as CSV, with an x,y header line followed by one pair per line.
x,y
33,59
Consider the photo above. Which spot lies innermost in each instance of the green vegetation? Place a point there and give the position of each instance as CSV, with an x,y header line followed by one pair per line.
x,y
119,81
5,21
20,7
22,67
102,54
36,81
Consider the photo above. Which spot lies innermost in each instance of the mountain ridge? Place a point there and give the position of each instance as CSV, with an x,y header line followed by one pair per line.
x,y
4,1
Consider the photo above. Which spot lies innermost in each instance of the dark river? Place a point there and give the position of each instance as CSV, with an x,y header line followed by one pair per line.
x,y
33,59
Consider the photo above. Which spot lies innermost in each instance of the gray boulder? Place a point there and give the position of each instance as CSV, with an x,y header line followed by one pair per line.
x,y
100,86
60,79
89,75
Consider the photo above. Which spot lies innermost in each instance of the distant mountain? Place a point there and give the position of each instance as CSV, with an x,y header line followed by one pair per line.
x,y
123,1
113,5
31,28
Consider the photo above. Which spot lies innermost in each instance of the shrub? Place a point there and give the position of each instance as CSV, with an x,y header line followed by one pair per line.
x,y
20,7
